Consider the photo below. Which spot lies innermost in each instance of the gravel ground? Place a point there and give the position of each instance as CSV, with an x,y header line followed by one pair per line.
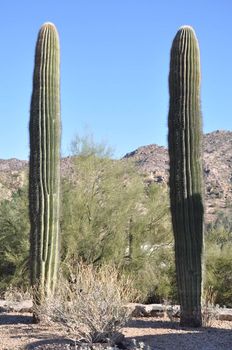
x,y
17,332
166,335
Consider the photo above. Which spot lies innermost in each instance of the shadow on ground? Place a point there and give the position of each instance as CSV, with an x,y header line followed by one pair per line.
x,y
14,319
184,338
158,333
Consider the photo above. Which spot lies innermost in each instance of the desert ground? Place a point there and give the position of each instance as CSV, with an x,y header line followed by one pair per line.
x,y
18,332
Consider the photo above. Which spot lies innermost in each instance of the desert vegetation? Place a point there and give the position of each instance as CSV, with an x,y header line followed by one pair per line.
x,y
155,249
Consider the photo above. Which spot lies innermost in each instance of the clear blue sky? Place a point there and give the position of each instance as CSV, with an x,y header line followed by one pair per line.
x,y
114,67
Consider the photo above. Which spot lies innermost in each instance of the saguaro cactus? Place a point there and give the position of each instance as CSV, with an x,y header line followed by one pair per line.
x,y
44,172
186,185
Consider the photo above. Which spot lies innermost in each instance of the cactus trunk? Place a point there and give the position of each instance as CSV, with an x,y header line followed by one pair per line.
x,y
186,183
44,171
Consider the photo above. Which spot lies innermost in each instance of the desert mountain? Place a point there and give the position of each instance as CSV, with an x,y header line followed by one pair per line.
x,y
152,161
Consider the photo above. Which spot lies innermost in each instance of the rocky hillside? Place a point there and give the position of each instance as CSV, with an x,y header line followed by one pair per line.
x,y
13,174
152,160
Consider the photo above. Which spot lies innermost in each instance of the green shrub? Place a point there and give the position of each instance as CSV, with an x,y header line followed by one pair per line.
x,y
218,265
219,273
14,238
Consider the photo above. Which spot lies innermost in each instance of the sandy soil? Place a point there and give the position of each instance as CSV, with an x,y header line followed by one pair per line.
x,y
166,335
18,332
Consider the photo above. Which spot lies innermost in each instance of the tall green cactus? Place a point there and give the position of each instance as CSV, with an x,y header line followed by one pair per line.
x,y
44,172
186,184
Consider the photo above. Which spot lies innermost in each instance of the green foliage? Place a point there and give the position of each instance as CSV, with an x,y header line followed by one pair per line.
x,y
185,152
44,169
220,232
97,209
84,146
152,257
14,232
109,216
218,269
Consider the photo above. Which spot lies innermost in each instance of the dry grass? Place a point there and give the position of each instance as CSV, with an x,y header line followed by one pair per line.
x,y
210,311
90,304
13,294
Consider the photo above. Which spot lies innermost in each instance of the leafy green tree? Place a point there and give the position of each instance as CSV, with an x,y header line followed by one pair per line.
x,y
97,206
14,233
110,216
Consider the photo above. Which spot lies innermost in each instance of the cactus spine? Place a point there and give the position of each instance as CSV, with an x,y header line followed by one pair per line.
x,y
186,185
44,171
